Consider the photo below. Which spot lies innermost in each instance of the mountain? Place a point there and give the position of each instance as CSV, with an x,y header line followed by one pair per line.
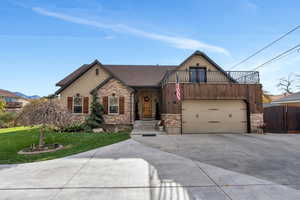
x,y
26,96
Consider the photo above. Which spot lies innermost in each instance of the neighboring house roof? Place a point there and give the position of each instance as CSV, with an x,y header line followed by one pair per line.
x,y
279,96
266,105
293,98
6,93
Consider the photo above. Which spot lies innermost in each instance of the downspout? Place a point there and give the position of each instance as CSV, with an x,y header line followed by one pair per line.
x,y
131,107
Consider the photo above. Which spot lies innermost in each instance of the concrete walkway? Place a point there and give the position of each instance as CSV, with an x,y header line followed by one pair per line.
x,y
131,171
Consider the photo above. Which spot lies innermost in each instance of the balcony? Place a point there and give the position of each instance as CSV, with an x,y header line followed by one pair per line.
x,y
213,77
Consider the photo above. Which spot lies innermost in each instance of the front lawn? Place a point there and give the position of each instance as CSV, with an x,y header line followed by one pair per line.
x,y
15,139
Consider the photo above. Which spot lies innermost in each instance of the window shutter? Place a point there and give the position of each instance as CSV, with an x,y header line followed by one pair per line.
x,y
86,105
121,105
105,105
70,104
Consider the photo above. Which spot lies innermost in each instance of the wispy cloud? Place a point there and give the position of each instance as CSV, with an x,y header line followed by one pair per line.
x,y
37,37
178,42
249,6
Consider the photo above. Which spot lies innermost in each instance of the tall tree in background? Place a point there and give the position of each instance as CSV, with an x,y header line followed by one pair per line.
x,y
287,84
95,119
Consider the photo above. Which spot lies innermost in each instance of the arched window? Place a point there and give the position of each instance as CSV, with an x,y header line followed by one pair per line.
x,y
77,104
97,72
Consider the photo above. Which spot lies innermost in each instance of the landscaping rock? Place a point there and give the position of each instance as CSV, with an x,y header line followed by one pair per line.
x,y
98,130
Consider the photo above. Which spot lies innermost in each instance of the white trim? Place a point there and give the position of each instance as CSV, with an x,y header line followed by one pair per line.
x,y
73,104
117,105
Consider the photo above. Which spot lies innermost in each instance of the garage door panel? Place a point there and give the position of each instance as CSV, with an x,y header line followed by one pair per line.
x,y
214,116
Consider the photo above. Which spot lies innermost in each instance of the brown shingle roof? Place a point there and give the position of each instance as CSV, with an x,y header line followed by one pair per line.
x,y
131,75
139,75
6,93
72,76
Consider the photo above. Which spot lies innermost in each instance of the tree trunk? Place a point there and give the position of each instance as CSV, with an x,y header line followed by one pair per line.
x,y
42,138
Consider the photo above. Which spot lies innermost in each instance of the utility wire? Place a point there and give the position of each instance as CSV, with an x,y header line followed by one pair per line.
x,y
281,55
265,47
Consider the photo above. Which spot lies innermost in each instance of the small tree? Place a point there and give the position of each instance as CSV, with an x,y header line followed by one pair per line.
x,y
95,119
44,112
286,84
2,105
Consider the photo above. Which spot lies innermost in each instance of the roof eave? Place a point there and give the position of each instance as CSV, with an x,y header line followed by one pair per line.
x,y
286,102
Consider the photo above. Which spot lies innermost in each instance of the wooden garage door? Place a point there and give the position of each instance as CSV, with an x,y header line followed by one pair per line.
x,y
214,116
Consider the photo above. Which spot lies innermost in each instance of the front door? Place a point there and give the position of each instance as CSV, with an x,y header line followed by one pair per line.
x,y
147,106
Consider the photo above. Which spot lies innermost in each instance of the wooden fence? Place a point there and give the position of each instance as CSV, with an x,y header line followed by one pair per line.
x,y
282,119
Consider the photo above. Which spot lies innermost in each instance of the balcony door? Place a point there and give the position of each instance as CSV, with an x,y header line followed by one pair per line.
x,y
197,74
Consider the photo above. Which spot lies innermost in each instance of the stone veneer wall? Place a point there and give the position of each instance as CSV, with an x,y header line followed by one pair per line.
x,y
114,86
172,123
256,119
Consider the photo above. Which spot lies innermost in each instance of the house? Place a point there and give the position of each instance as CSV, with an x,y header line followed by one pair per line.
x,y
13,102
212,100
289,100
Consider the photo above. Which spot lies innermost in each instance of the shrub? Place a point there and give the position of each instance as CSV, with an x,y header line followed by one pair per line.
x,y
45,112
95,119
7,119
74,127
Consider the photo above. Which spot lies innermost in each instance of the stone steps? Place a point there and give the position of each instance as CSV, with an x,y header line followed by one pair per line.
x,y
148,127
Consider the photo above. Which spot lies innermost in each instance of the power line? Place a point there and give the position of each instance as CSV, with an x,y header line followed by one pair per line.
x,y
281,55
265,47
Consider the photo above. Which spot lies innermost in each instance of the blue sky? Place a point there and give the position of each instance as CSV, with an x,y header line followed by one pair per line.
x,y
41,41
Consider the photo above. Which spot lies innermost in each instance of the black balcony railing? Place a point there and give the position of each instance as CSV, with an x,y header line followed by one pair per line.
x,y
186,76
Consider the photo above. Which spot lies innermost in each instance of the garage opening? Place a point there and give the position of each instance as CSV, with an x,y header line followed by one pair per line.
x,y
214,116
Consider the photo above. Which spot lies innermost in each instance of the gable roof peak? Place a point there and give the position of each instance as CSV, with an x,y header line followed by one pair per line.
x,y
96,61
198,52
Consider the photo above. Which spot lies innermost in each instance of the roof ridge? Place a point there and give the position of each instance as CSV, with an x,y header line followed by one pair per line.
x,y
136,65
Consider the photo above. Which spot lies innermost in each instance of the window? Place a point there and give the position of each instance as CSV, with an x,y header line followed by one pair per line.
x,y
197,74
77,104
97,72
9,99
113,105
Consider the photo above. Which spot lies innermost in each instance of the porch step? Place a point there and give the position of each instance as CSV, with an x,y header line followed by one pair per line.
x,y
145,124
142,127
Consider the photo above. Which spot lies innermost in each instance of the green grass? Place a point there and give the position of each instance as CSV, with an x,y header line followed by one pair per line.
x,y
19,128
13,140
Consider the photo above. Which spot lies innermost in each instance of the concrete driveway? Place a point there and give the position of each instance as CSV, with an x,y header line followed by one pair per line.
x,y
132,171
273,157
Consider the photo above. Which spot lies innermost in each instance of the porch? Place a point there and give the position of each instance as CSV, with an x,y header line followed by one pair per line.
x,y
147,103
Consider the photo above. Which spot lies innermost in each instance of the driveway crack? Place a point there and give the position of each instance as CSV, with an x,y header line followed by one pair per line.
x,y
75,174
227,195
